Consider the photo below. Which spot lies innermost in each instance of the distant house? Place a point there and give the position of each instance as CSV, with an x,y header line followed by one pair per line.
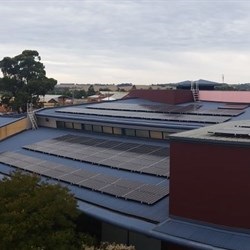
x,y
107,96
54,100
95,98
113,95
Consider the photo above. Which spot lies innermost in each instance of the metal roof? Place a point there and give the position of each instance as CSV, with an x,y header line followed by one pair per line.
x,y
172,122
151,220
5,120
233,132
212,236
157,212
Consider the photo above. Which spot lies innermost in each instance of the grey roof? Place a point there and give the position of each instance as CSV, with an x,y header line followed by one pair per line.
x,y
157,212
151,120
150,220
5,120
233,132
211,236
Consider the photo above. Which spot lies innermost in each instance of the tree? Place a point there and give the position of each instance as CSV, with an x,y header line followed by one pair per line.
x,y
78,94
91,90
36,215
24,77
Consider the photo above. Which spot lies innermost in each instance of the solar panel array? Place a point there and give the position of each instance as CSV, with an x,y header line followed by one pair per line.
x,y
228,110
133,157
218,112
115,186
157,108
233,106
232,131
196,117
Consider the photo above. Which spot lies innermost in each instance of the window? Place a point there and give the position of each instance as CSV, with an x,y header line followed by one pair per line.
x,y
129,132
59,124
97,128
142,133
165,135
87,127
68,125
156,134
77,126
107,130
117,131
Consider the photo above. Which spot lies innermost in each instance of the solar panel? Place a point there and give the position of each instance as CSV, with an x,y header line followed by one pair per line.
x,y
115,186
231,131
218,112
84,174
161,152
233,106
31,160
130,167
135,157
63,168
12,155
143,197
154,189
36,168
156,108
164,164
93,159
106,178
4,159
156,171
72,178
53,173
108,144
93,184
117,191
128,184
190,117
21,164
120,158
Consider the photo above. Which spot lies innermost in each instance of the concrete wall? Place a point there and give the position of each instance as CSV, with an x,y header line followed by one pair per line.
x,y
46,122
164,96
225,96
13,128
210,182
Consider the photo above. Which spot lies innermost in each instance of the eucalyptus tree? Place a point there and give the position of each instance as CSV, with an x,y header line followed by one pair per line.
x,y
24,78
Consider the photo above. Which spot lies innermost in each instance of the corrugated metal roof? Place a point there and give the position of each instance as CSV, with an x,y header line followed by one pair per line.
x,y
116,211
5,120
209,235
157,212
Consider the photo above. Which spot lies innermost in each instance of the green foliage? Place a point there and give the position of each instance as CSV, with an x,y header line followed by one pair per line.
x,y
110,246
91,91
36,216
78,94
104,89
24,76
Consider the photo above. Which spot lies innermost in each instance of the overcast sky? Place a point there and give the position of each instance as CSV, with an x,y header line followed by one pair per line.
x,y
137,41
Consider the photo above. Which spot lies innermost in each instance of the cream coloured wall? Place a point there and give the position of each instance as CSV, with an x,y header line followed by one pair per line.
x,y
13,128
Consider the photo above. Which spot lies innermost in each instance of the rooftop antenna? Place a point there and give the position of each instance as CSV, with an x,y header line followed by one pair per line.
x,y
223,78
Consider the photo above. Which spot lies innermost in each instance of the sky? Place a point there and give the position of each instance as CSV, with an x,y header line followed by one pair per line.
x,y
131,41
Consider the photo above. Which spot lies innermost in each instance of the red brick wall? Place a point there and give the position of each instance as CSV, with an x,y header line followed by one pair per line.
x,y
164,96
210,183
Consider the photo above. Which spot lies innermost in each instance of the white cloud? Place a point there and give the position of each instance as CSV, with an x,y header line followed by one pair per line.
x,y
137,41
